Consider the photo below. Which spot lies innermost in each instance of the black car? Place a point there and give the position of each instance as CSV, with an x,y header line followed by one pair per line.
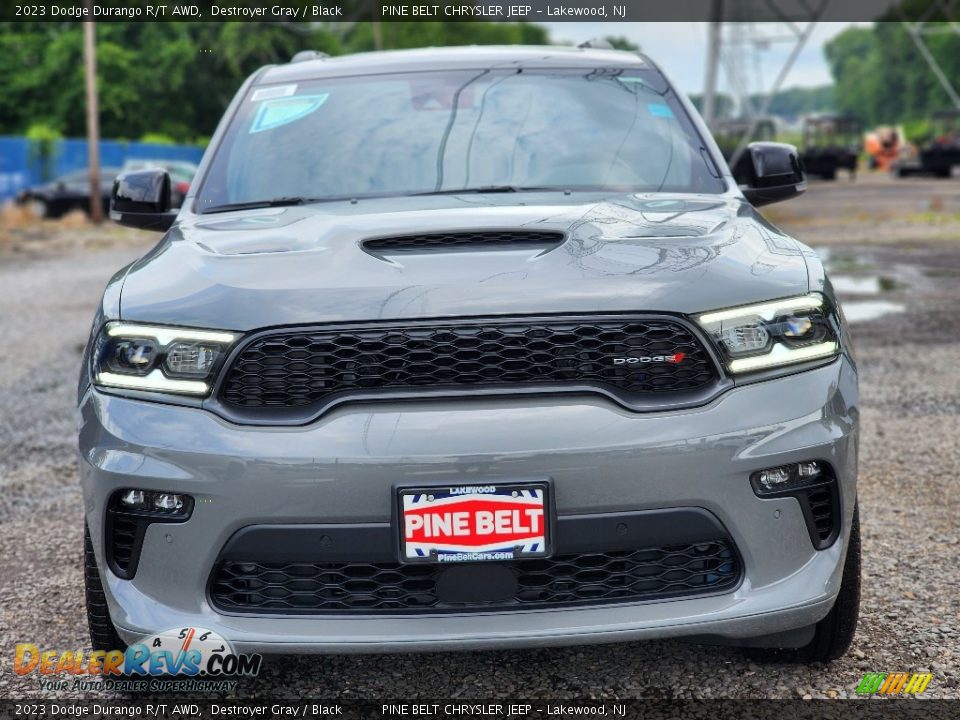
x,y
67,192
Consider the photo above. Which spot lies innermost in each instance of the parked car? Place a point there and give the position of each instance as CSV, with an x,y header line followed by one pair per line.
x,y
67,192
181,175
466,348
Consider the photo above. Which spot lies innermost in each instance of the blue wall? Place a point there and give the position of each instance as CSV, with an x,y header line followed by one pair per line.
x,y
18,169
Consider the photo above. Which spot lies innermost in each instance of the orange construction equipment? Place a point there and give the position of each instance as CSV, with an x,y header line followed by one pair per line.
x,y
883,146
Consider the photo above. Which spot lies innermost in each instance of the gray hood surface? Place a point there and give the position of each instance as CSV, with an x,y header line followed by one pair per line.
x,y
306,265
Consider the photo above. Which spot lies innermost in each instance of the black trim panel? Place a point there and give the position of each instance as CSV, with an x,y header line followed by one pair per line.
x,y
375,542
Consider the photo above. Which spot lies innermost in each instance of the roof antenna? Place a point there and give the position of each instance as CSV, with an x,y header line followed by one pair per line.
x,y
595,44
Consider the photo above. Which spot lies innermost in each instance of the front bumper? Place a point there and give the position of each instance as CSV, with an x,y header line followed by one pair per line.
x,y
602,459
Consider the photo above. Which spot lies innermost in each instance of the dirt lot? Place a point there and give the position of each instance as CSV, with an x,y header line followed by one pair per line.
x,y
895,253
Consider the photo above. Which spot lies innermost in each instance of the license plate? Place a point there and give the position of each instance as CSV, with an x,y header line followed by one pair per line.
x,y
471,523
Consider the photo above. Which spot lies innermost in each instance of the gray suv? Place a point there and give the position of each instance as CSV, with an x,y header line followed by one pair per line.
x,y
470,348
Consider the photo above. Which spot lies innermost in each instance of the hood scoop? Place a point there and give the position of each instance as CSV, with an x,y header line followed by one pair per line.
x,y
465,241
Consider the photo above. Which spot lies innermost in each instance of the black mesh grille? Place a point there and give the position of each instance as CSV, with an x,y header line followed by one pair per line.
x,y
597,578
123,541
466,240
297,369
822,504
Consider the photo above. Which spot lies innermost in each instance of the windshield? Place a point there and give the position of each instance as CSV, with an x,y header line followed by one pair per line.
x,y
414,133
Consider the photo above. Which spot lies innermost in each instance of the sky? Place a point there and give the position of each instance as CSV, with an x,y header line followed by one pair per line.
x,y
681,48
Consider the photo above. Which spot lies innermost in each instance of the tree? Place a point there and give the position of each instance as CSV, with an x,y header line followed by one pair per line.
x,y
176,79
880,75
619,42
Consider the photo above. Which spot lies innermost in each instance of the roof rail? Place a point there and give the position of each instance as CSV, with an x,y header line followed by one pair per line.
x,y
596,44
305,55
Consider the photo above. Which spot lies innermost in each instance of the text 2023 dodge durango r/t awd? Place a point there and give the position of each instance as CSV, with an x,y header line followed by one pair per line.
x,y
470,348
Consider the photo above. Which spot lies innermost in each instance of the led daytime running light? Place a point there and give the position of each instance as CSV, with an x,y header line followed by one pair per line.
x,y
782,355
166,335
156,380
766,311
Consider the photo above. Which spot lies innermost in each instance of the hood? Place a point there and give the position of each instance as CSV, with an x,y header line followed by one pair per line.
x,y
303,265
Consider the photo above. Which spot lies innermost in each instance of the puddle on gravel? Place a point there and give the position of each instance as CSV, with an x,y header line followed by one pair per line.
x,y
857,311
857,285
850,285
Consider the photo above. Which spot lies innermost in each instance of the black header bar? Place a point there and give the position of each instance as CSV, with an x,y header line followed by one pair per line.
x,y
611,11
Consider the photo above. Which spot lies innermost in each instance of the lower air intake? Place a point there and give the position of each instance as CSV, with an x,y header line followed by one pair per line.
x,y
567,580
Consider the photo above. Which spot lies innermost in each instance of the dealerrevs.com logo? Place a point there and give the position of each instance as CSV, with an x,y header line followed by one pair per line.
x,y
181,659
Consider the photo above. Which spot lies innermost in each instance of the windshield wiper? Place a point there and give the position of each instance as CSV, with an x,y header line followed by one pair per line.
x,y
487,189
289,201
272,202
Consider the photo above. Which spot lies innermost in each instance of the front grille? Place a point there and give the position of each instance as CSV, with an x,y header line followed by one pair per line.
x,y
567,580
466,240
309,368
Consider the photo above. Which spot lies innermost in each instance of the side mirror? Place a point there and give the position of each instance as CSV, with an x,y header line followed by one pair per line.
x,y
772,173
141,199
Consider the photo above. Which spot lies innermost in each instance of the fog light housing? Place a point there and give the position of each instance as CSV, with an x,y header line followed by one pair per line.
x,y
785,478
133,499
130,512
168,502
151,502
813,483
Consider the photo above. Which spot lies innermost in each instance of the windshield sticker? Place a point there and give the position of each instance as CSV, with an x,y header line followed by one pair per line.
x,y
269,93
660,110
274,113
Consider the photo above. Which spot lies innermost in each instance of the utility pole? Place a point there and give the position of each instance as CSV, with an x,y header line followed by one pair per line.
x,y
714,42
93,119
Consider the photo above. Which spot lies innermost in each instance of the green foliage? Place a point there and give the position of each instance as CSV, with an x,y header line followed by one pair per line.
x,y
791,138
917,131
790,103
43,141
794,102
174,79
724,107
619,42
43,134
881,76
158,139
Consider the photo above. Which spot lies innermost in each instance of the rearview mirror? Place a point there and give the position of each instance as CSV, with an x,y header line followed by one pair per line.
x,y
141,199
772,173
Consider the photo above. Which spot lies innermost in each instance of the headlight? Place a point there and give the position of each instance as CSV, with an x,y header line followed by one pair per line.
x,y
774,334
158,359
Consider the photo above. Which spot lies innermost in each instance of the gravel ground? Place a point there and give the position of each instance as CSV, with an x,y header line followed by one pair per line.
x,y
910,456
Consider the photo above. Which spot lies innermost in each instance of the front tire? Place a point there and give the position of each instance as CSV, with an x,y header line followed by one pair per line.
x,y
103,634
834,634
